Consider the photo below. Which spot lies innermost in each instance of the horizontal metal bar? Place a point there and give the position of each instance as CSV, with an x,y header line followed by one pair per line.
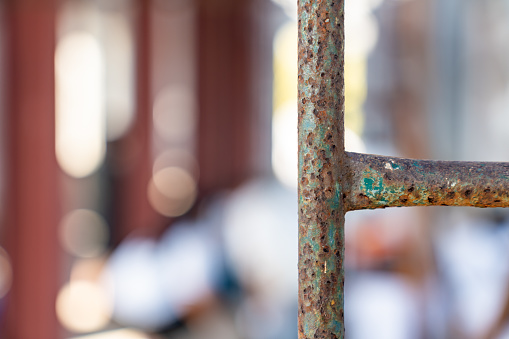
x,y
375,181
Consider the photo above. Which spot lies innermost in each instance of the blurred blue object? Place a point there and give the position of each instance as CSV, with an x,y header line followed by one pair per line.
x,y
154,284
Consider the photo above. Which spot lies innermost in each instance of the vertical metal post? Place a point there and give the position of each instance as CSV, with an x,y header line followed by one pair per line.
x,y
321,156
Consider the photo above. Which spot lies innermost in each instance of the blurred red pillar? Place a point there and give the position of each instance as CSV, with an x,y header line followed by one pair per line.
x,y
32,213
225,92
133,213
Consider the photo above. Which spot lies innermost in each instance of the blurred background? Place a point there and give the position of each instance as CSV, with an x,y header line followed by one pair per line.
x,y
148,168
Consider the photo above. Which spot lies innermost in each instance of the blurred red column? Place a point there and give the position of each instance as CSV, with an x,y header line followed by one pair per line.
x,y
133,213
225,93
32,215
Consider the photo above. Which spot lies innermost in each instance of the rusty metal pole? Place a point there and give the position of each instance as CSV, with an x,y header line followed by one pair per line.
x,y
321,150
333,182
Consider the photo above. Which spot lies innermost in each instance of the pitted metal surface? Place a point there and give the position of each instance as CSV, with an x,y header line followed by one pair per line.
x,y
321,211
379,182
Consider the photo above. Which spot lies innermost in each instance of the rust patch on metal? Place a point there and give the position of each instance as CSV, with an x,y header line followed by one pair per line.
x,y
379,182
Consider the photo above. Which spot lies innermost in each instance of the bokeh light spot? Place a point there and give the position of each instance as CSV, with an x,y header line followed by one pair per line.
x,y
84,233
172,191
174,114
5,273
177,158
80,118
83,306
